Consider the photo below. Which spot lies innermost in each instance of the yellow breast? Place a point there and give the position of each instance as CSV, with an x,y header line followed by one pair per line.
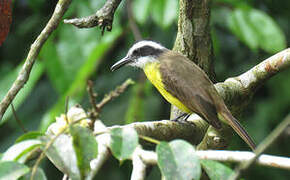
x,y
153,74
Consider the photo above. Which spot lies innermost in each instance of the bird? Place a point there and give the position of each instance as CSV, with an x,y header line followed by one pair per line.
x,y
182,83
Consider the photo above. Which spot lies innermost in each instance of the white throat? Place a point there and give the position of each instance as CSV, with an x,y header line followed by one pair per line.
x,y
142,61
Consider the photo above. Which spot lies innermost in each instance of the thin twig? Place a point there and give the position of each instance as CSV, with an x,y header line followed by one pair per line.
x,y
103,17
149,139
66,109
24,73
262,147
66,105
115,93
93,112
17,119
92,95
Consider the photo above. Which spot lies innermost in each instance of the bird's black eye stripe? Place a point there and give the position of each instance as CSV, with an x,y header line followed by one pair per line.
x,y
147,51
136,52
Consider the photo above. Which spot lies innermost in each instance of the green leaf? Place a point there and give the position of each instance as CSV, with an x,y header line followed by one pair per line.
x,y
158,11
216,170
164,12
61,153
77,87
54,66
256,29
271,37
29,135
240,25
124,141
20,152
141,11
6,82
39,175
85,146
12,170
177,160
170,12
36,5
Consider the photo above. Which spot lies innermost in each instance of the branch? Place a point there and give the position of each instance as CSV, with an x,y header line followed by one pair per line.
x,y
139,166
103,17
104,141
142,158
150,157
166,130
240,156
193,40
238,91
113,94
103,153
24,73
93,113
262,147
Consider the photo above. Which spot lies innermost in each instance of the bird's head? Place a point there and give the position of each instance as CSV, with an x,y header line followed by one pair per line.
x,y
140,54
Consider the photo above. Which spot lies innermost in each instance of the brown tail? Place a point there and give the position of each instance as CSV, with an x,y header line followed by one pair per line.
x,y
234,123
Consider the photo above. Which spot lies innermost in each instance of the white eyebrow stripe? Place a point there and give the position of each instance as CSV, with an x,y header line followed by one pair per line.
x,y
145,43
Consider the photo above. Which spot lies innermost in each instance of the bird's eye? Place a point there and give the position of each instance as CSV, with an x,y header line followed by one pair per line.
x,y
135,52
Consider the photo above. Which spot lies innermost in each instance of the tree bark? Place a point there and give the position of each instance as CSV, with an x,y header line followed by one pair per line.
x,y
193,37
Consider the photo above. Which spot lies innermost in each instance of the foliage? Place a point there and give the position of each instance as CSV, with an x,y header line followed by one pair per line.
x,y
256,29
244,33
85,146
72,153
12,170
177,160
216,170
124,142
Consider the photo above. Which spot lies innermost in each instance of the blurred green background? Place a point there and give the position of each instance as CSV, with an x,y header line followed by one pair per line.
x,y
244,33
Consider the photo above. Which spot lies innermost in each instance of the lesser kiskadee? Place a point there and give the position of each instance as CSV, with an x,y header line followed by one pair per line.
x,y
182,83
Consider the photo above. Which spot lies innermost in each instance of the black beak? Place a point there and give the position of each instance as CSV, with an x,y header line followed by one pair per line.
x,y
121,63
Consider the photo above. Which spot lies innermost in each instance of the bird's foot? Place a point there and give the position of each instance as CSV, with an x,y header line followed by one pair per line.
x,y
181,118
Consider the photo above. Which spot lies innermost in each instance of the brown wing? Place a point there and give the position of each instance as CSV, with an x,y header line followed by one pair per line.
x,y
188,83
